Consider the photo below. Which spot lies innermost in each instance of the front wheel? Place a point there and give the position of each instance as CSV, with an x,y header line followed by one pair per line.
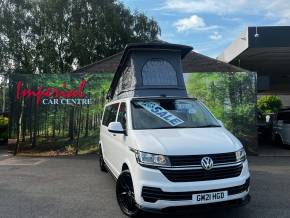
x,y
125,195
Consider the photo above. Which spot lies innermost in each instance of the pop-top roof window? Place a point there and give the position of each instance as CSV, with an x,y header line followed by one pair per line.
x,y
158,72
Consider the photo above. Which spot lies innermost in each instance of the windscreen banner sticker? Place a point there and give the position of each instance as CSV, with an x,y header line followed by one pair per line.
x,y
160,112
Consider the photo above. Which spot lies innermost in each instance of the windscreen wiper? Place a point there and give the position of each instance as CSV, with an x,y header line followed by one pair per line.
x,y
208,126
175,127
165,127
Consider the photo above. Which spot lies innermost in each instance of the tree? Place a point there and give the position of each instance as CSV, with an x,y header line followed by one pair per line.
x,y
231,97
269,104
3,128
55,36
53,127
3,93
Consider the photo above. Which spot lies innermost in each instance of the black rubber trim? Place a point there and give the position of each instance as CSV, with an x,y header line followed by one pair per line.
x,y
194,175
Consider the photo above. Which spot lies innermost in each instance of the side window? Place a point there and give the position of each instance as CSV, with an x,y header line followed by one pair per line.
x,y
122,116
287,117
279,116
106,115
110,114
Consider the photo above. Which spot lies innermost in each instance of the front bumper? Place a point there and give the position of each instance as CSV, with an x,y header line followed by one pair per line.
x,y
200,208
177,194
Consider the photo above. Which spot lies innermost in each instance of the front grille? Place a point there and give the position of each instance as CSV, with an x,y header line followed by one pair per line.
x,y
151,194
187,160
193,175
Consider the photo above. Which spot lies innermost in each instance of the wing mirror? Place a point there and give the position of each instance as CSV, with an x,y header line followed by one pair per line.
x,y
116,127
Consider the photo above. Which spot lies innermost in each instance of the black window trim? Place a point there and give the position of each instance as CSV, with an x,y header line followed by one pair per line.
x,y
122,102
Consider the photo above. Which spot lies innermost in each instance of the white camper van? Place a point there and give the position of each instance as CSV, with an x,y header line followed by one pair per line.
x,y
168,151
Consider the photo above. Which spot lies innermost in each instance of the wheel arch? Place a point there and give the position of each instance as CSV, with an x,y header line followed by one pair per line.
x,y
125,167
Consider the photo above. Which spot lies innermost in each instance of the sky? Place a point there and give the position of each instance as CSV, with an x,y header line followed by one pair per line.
x,y
209,26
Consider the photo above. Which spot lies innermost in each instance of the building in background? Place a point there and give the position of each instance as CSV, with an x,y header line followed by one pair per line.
x,y
265,50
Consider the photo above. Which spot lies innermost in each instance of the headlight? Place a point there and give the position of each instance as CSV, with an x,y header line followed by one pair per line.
x,y
154,160
241,155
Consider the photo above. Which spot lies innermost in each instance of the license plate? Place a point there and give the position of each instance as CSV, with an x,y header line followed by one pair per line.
x,y
209,197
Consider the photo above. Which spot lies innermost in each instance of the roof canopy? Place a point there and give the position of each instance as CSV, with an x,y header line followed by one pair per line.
x,y
166,63
192,62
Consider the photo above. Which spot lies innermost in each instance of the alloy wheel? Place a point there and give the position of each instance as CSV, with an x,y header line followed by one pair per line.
x,y
125,194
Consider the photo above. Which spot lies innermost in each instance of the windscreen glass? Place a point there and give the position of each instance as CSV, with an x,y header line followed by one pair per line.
x,y
170,113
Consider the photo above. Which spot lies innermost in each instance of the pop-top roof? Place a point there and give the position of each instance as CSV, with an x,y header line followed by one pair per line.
x,y
151,46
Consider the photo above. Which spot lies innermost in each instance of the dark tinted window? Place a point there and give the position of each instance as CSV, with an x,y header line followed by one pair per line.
x,y
122,116
110,114
285,116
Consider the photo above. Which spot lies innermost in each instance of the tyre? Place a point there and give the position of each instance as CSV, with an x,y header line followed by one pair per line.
x,y
278,141
125,195
103,166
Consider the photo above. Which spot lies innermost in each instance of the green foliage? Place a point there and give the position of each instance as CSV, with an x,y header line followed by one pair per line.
x,y
3,128
269,104
3,92
3,120
53,124
230,96
52,36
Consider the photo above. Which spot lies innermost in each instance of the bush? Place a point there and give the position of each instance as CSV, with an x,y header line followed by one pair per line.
x,y
3,121
269,104
3,128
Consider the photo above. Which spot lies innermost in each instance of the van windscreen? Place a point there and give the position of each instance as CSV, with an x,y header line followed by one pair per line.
x,y
170,113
